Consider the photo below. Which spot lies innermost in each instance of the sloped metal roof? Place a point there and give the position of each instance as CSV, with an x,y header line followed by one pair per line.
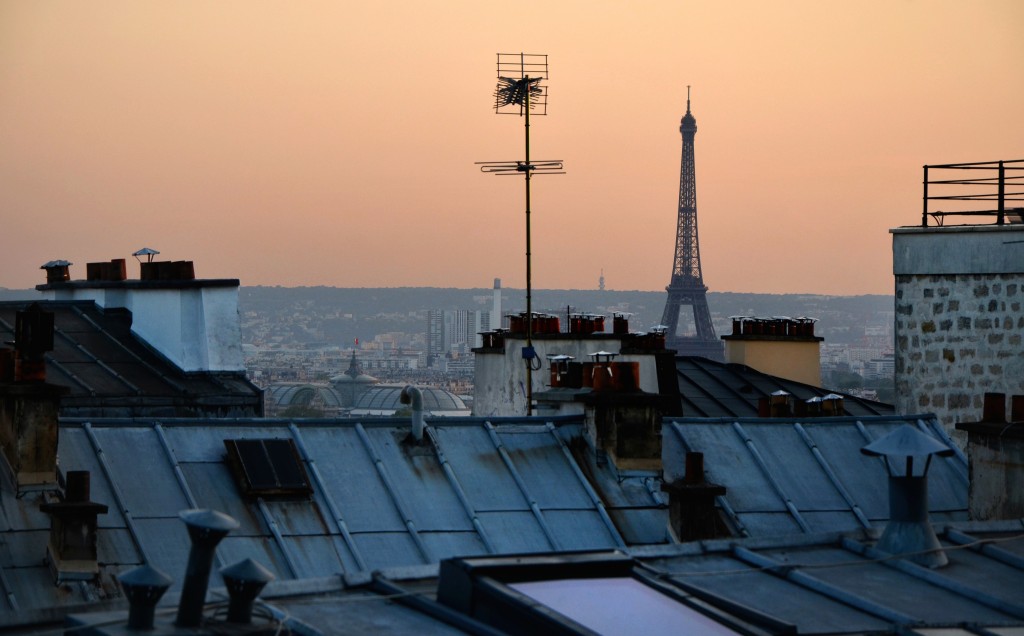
x,y
826,583
718,389
841,584
112,373
476,487
804,476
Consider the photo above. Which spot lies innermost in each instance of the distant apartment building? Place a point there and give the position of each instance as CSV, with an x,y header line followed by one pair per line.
x,y
459,327
454,332
435,334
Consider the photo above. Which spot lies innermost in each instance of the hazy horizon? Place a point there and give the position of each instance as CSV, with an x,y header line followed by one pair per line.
x,y
243,285
325,143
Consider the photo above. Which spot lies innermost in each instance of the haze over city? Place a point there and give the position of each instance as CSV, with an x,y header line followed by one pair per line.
x,y
329,143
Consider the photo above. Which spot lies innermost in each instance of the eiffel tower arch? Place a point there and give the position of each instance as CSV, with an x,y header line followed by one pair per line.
x,y
687,291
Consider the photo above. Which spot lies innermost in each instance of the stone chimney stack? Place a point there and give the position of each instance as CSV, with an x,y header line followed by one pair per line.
x,y
71,551
29,406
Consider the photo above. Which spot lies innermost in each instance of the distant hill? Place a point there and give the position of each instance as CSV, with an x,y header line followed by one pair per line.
x,y
841,318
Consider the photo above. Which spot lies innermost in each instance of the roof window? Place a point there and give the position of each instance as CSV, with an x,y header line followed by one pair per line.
x,y
267,467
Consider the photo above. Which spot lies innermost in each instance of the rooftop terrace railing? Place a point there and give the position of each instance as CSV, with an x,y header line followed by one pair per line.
x,y
990,182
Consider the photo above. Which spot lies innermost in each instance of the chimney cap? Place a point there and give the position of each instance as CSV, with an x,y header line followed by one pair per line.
x,y
247,571
144,576
56,263
208,520
148,252
907,441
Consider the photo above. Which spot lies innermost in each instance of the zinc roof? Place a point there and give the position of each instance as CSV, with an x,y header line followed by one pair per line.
x,y
841,584
786,476
110,372
476,487
718,389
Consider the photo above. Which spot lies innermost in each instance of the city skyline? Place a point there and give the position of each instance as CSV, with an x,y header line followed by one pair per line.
x,y
326,144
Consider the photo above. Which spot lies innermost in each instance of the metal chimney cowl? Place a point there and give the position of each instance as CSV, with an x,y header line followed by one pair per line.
x,y
144,586
206,528
244,582
909,532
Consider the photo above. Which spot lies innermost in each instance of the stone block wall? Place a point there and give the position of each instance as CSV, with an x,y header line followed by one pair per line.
x,y
958,336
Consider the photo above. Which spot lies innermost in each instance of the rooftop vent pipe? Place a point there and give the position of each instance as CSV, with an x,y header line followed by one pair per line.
x,y
244,581
144,586
412,395
908,531
206,528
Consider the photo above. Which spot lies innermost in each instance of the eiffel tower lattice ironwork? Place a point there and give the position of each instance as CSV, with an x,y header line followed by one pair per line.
x,y
687,287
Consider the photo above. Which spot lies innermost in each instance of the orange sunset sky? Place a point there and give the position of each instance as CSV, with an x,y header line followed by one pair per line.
x,y
332,143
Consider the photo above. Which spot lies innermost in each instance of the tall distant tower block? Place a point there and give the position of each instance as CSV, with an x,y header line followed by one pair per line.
x,y
496,308
687,288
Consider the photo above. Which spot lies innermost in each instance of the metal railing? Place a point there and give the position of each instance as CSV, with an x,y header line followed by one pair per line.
x,y
998,182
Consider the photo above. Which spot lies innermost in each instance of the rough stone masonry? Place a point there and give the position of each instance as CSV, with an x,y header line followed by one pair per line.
x,y
959,318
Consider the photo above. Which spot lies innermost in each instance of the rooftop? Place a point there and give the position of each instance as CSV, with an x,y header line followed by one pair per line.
x,y
111,372
718,389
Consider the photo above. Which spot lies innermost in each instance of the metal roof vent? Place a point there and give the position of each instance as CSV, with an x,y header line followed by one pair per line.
x,y
206,528
908,532
244,581
414,397
144,586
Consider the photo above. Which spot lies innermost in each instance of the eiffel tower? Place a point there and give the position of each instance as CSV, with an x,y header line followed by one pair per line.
x,y
687,287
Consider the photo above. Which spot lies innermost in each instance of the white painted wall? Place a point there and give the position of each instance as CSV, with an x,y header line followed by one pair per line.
x,y
194,326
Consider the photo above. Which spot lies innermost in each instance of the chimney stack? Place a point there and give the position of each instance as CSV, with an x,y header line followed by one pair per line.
x,y
995,450
785,347
29,405
58,271
71,551
691,503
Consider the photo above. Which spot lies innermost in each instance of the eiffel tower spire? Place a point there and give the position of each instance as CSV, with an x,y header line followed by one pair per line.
x,y
687,288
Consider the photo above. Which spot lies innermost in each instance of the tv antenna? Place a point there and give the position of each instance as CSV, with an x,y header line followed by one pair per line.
x,y
521,90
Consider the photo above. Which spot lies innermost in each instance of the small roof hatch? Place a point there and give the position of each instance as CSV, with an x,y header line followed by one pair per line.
x,y
267,467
